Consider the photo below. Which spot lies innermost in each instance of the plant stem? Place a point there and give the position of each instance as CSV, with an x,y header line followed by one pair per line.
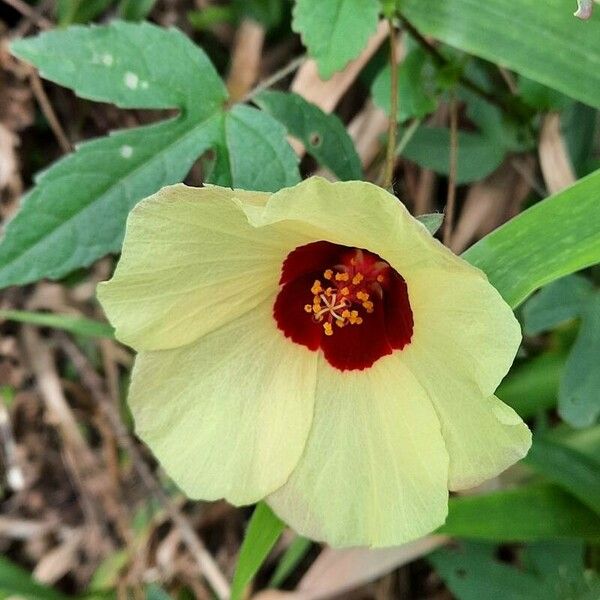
x,y
390,159
451,197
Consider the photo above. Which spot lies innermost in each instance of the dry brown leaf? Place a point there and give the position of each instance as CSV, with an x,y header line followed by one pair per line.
x,y
336,572
490,203
326,94
246,58
554,158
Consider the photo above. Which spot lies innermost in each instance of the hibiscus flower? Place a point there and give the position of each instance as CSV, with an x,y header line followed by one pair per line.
x,y
316,348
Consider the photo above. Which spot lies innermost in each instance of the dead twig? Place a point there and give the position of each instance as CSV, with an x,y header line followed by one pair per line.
x,y
30,13
390,159
451,197
246,58
46,108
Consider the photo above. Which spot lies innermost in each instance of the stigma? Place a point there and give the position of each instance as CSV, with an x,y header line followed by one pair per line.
x,y
344,293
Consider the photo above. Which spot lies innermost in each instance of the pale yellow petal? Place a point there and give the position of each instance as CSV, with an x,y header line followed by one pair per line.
x,y
356,214
228,415
190,263
375,469
462,319
483,435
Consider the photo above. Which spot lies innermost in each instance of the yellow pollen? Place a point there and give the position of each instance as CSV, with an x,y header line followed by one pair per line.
x,y
357,278
380,278
328,329
328,274
308,308
340,322
368,305
362,296
342,276
358,321
346,314
344,291
328,292
316,288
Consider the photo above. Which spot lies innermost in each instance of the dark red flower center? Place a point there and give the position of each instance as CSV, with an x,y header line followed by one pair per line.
x,y
346,301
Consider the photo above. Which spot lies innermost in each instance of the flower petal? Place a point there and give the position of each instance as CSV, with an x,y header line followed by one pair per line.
x,y
190,263
375,468
483,435
355,214
463,319
227,416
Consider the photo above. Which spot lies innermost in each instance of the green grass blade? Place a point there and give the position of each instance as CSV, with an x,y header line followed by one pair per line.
x,y
554,238
76,325
263,531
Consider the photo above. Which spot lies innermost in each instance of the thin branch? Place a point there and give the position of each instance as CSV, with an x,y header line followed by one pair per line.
x,y
95,385
390,159
451,198
407,136
46,108
275,78
30,13
442,61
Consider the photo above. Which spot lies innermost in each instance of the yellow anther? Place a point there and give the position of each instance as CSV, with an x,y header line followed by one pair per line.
x,y
358,321
308,308
342,276
328,329
346,314
316,288
340,322
328,292
328,274
344,291
362,296
357,278
368,306
380,278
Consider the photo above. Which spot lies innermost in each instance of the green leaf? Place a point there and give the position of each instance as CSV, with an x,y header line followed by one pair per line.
x,y
579,392
478,156
533,387
258,153
541,97
15,581
263,531
553,238
133,65
471,572
76,325
415,100
573,470
538,40
136,10
80,11
296,551
335,31
324,136
556,303
527,513
554,571
154,592
433,221
77,211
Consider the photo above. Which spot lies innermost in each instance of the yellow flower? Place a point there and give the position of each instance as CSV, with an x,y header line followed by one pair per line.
x,y
316,348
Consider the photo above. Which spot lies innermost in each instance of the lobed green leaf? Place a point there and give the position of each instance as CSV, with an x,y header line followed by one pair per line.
x,y
323,135
335,31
